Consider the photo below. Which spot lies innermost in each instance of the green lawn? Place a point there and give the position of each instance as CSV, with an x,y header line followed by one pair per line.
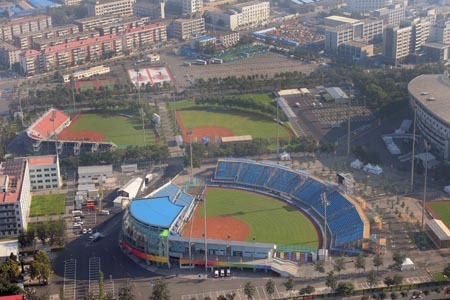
x,y
117,129
44,205
442,209
270,220
241,123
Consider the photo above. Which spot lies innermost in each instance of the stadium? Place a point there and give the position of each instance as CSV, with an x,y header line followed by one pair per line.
x,y
44,136
429,99
171,227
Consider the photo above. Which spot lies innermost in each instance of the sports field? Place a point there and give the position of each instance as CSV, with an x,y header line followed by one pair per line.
x,y
245,216
85,85
120,130
44,205
222,121
441,209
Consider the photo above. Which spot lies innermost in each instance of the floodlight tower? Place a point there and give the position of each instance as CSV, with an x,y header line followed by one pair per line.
x,y
427,148
325,203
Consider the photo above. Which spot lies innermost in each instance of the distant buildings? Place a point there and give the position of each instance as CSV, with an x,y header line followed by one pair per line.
x,y
15,197
392,15
120,8
241,16
18,26
366,6
151,9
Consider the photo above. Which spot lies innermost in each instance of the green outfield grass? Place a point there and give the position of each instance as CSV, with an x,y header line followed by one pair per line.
x,y
270,220
117,129
442,209
44,205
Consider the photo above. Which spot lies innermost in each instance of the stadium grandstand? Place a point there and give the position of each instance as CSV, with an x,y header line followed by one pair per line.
x,y
347,225
152,228
43,136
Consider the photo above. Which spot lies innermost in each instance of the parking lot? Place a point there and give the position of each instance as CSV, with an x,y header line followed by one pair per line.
x,y
260,294
263,64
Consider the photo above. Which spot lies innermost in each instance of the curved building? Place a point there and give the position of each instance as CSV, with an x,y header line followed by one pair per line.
x,y
429,96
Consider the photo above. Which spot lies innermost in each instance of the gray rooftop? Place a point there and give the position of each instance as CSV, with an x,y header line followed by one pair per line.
x,y
440,229
435,87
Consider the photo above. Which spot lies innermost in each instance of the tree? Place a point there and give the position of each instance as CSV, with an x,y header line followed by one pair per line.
x,y
345,288
397,279
446,271
160,291
319,266
231,296
109,296
339,265
101,286
89,296
360,262
331,280
289,285
270,288
309,289
389,281
40,267
398,258
221,297
61,293
249,290
30,294
372,279
377,261
126,292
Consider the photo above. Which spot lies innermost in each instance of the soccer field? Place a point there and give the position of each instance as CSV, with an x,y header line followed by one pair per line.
x,y
442,210
269,220
117,129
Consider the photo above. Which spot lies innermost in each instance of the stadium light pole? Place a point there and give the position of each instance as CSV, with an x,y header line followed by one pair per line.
x,y
206,241
278,137
325,203
190,152
427,148
413,150
190,242
348,120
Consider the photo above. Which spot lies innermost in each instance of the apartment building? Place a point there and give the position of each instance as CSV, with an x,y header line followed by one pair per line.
x,y
44,172
366,6
185,29
229,39
121,25
392,15
90,23
25,41
29,62
121,8
440,33
368,30
15,196
22,25
9,54
397,43
353,50
244,15
154,10
42,43
145,35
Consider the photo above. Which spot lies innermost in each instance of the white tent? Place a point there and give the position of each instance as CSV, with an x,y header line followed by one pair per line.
x,y
285,156
376,170
367,167
407,264
356,164
447,189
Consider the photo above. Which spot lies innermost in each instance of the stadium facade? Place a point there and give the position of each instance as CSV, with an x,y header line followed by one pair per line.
x,y
152,228
42,137
429,98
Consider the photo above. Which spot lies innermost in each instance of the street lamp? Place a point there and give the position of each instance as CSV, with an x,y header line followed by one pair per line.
x,y
427,148
206,243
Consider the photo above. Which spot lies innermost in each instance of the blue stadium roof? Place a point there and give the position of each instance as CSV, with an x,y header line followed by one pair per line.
x,y
157,211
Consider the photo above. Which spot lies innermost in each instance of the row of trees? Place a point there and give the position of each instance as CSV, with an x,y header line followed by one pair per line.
x,y
51,232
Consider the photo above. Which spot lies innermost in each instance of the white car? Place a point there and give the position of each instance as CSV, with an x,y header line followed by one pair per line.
x,y
90,231
84,231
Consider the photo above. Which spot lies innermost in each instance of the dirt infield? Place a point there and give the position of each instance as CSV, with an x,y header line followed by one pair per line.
x,y
218,228
203,131
80,135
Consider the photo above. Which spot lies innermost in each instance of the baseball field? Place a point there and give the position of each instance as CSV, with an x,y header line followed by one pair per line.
x,y
246,216
222,121
121,130
441,210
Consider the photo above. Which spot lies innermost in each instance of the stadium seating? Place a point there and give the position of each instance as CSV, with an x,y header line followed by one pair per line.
x,y
170,190
184,199
343,219
50,123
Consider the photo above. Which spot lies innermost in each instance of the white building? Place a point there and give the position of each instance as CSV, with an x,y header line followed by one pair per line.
x,y
185,29
229,39
244,15
78,75
131,188
44,172
121,8
366,6
95,172
7,247
391,15
15,196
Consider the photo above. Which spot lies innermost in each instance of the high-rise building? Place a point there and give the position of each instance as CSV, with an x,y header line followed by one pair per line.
x,y
440,33
15,196
121,8
244,15
151,9
397,43
392,15
366,6
44,172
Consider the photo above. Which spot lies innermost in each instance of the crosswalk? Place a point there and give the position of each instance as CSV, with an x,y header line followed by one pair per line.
x,y
260,294
70,278
94,270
